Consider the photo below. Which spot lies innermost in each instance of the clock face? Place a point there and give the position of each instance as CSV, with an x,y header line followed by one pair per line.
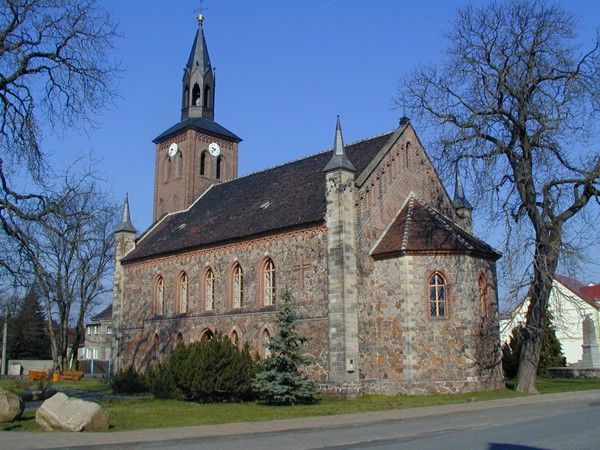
x,y
173,149
214,149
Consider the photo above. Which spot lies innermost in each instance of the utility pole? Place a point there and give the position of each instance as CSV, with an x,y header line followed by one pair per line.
x,y
4,341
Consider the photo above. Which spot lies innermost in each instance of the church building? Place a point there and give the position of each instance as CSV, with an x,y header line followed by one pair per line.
x,y
394,291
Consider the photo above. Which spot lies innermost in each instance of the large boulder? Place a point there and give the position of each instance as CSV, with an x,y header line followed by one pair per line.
x,y
11,406
62,413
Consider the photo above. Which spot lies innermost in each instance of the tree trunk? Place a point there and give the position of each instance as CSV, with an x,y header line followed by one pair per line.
x,y
545,261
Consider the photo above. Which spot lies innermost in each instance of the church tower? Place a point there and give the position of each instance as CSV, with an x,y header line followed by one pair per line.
x,y
197,152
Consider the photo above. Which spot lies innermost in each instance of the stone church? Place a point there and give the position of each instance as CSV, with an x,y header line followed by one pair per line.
x,y
395,292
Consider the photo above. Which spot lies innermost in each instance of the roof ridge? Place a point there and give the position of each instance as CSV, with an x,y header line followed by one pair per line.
x,y
312,155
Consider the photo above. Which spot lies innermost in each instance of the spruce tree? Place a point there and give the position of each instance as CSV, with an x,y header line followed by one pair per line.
x,y
28,332
282,382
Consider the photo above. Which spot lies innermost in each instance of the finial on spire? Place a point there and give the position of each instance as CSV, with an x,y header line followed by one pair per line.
x,y
200,12
200,19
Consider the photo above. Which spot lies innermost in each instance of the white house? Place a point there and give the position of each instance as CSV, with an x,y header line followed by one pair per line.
x,y
570,302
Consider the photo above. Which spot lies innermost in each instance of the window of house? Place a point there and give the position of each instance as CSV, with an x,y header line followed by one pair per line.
x,y
209,290
238,286
160,296
108,330
95,353
96,327
89,330
269,283
88,353
437,295
183,293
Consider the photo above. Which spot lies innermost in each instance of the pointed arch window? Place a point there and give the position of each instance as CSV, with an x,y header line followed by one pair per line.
x,y
167,169
159,300
209,290
237,287
196,100
437,295
219,167
203,163
155,347
179,339
207,103
234,337
178,165
269,282
183,293
265,338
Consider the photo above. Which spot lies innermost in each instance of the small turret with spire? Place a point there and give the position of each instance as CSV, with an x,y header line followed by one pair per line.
x,y
125,225
461,204
339,160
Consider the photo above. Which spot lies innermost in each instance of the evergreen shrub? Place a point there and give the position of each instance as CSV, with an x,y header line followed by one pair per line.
x,y
129,381
208,371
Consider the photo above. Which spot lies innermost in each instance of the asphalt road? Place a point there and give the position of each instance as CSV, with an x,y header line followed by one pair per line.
x,y
560,425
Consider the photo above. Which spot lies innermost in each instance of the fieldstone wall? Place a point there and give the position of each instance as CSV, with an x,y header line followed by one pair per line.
x,y
300,262
404,349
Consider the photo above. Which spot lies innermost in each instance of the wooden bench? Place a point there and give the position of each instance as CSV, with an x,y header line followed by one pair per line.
x,y
74,375
38,375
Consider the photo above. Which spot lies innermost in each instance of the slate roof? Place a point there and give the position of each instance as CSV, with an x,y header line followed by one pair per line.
x,y
589,294
200,124
106,313
420,229
284,197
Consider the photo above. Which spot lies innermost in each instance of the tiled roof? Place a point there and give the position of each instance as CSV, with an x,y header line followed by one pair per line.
x,y
419,228
590,294
283,197
106,313
198,123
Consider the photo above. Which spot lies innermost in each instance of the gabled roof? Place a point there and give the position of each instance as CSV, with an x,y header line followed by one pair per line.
x,y
284,197
420,229
200,124
106,313
589,294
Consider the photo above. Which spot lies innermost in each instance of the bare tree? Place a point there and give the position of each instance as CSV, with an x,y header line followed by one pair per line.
x,y
56,70
517,101
70,258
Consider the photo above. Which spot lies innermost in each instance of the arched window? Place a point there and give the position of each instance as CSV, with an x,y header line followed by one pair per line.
x,y
234,337
237,288
207,103
186,97
203,163
159,299
269,283
219,165
183,293
206,334
264,339
209,290
196,100
483,295
437,295
179,339
155,347
178,165
167,169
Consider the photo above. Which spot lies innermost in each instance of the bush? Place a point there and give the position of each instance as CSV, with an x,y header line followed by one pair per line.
x,y
208,371
551,354
129,381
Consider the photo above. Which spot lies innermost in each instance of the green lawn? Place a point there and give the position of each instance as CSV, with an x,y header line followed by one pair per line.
x,y
131,414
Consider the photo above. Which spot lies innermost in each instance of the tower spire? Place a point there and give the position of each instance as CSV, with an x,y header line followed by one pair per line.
x,y
339,160
198,80
461,204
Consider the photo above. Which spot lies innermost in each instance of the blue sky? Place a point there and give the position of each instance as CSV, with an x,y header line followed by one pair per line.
x,y
285,70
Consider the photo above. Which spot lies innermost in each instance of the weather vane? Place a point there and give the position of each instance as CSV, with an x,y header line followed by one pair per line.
x,y
200,11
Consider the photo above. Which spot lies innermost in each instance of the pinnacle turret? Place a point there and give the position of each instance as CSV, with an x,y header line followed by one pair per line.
x,y
339,160
125,224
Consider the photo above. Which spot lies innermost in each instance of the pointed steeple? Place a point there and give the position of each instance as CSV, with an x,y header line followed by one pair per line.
x,y
339,160
126,224
460,200
463,208
198,80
